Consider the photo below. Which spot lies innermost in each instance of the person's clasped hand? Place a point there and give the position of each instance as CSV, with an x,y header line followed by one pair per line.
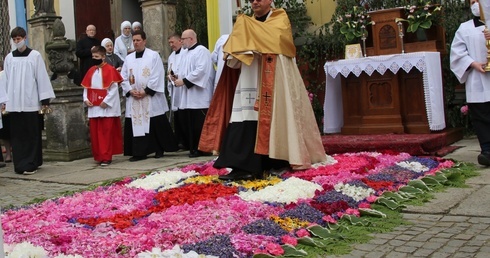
x,y
478,66
179,82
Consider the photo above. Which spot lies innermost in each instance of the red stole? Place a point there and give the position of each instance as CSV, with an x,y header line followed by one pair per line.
x,y
109,76
265,101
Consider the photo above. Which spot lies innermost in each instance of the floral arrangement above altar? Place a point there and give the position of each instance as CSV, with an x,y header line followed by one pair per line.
x,y
187,211
353,23
420,15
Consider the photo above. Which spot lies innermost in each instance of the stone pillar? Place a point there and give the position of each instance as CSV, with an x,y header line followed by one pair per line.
x,y
40,32
159,18
67,134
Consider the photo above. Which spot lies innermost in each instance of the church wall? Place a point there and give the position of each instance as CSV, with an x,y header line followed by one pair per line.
x,y
67,12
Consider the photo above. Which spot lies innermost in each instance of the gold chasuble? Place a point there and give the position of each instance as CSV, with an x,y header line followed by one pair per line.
x,y
273,36
287,128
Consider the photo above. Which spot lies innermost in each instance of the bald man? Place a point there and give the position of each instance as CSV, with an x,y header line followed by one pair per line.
x,y
195,78
84,50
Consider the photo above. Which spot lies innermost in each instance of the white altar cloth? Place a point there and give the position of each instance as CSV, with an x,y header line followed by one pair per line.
x,y
429,63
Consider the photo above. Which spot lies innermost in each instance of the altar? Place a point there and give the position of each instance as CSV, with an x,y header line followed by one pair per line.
x,y
397,93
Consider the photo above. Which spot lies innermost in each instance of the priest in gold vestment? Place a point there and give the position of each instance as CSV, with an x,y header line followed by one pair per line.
x,y
260,117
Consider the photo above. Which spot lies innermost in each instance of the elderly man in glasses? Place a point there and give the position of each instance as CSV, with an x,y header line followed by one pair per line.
x,y
272,124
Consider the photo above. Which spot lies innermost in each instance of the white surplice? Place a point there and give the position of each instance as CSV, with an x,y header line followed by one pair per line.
x,y
468,46
148,72
3,93
197,68
111,99
217,57
174,62
35,85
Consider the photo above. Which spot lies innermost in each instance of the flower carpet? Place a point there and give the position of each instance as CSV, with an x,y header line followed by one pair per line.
x,y
189,212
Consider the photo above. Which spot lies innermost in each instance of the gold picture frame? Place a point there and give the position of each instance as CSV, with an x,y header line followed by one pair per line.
x,y
353,51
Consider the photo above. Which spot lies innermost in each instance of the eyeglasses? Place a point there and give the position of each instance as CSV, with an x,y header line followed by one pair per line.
x,y
258,1
185,38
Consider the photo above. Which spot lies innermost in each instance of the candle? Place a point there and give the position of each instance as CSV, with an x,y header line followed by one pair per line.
x,y
400,28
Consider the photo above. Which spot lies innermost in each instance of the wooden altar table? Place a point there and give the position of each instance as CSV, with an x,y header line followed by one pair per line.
x,y
400,93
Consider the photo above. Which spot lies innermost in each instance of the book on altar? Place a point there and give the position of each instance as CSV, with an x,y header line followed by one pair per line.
x,y
96,96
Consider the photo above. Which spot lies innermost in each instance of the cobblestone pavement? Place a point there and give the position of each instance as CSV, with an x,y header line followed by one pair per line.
x,y
17,192
430,236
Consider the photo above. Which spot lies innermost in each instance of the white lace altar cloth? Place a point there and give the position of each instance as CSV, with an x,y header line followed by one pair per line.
x,y
428,63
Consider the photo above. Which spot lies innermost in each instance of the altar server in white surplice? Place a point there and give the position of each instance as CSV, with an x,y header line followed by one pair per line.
x,y
196,77
29,90
146,128
468,59
175,93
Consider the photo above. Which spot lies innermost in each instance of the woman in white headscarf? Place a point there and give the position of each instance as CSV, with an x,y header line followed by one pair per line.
x,y
123,44
136,26
110,57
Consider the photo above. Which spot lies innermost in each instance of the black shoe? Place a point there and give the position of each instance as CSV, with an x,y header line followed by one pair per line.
x,y
194,154
182,147
137,158
158,154
484,158
2,164
238,174
278,172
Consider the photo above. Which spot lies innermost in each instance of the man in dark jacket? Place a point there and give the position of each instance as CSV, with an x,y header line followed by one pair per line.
x,y
84,48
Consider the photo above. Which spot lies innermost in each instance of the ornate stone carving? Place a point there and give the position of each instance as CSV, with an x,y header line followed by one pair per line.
x,y
58,30
60,50
66,127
